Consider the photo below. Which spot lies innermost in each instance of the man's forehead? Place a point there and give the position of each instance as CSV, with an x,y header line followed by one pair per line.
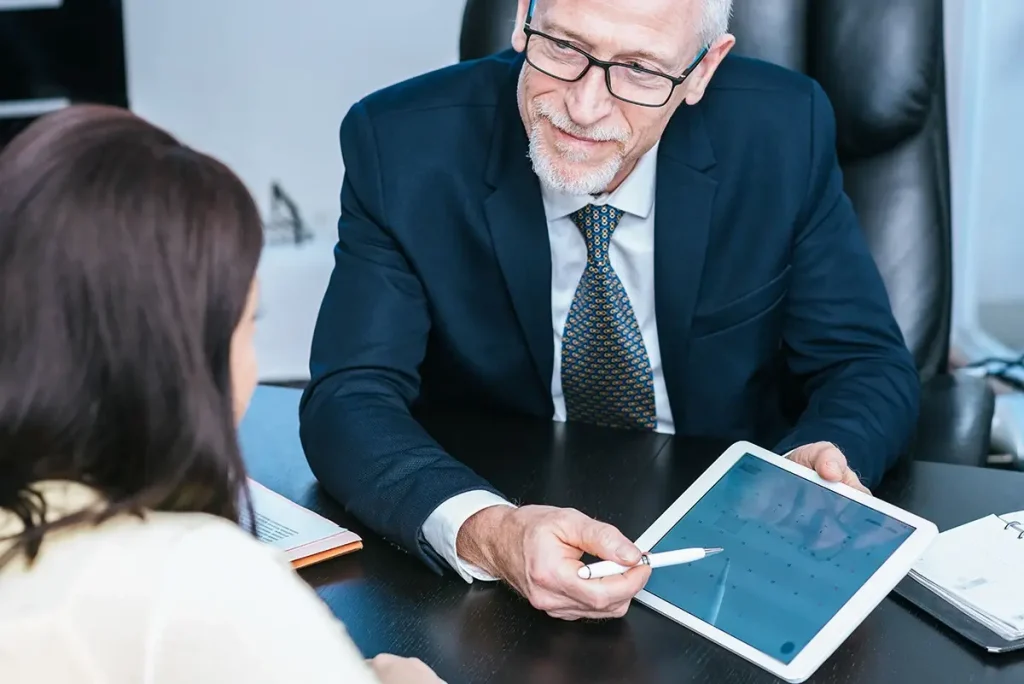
x,y
658,26
675,11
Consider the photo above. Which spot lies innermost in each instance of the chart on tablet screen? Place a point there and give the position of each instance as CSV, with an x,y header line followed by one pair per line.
x,y
795,552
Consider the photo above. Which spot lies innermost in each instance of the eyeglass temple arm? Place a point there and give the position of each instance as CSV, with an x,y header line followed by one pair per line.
x,y
696,60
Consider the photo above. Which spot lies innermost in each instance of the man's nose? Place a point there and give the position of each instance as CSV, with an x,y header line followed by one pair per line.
x,y
588,100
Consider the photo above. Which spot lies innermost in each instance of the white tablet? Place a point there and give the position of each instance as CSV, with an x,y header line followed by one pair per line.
x,y
805,561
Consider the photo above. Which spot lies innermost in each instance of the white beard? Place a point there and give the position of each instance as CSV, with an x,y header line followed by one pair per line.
x,y
546,161
591,182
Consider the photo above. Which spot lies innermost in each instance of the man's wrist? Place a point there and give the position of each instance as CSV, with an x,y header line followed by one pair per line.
x,y
441,528
478,540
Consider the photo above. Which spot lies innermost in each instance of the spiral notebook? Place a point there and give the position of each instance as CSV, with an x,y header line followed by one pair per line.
x,y
971,579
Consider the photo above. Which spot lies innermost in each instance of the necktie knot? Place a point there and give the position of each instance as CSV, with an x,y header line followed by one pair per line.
x,y
596,224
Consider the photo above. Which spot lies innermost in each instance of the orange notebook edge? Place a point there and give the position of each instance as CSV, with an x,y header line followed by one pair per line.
x,y
352,541
306,561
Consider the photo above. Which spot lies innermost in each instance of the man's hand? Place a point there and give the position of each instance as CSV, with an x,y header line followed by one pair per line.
x,y
537,550
391,669
829,462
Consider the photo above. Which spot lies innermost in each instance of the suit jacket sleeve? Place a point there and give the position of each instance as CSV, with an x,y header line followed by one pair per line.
x,y
361,441
860,381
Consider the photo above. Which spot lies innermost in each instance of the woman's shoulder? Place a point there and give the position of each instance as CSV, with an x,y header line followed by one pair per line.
x,y
141,542
227,592
202,532
157,538
146,557
136,544
140,561
169,546
215,545
180,593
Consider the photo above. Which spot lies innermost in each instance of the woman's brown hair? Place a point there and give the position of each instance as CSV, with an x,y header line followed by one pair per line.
x,y
126,260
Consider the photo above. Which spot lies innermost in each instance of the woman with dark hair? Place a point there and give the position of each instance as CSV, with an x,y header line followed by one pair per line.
x,y
127,298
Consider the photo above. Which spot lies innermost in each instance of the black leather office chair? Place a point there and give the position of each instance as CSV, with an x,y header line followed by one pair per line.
x,y
881,63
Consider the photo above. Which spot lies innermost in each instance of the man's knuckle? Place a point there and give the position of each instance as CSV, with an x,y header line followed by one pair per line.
x,y
544,601
563,514
541,577
607,535
602,604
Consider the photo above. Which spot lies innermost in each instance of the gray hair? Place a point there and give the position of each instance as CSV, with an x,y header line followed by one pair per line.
x,y
714,19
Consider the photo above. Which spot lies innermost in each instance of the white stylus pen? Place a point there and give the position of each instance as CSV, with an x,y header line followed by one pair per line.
x,y
655,560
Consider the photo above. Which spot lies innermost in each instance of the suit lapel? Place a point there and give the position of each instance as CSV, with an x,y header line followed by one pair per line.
x,y
518,227
684,197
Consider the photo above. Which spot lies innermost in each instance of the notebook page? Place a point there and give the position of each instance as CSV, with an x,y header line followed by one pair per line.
x,y
1015,517
286,525
980,564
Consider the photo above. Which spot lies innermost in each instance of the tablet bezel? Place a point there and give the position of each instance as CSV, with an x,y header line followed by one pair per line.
x,y
842,624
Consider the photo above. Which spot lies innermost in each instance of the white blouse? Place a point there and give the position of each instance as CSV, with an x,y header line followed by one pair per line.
x,y
176,598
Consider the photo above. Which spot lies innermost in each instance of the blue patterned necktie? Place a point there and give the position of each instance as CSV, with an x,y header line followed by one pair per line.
x,y
606,375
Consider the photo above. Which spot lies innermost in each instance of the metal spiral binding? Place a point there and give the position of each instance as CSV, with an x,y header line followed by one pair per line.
x,y
1017,528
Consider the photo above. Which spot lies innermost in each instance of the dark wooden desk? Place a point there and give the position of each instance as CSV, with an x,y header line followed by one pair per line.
x,y
484,633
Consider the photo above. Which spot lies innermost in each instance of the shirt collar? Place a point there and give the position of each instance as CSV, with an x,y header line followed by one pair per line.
x,y
635,195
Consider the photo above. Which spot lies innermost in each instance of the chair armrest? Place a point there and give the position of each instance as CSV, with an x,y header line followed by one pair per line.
x,y
955,425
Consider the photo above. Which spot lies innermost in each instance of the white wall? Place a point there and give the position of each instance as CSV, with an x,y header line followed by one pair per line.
x,y
997,166
263,85
985,63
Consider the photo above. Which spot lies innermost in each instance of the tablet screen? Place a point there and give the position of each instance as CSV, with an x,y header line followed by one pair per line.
x,y
795,553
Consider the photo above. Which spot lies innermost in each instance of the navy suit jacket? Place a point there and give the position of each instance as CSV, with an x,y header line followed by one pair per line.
x,y
773,321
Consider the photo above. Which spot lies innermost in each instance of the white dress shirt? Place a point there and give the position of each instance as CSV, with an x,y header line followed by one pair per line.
x,y
632,257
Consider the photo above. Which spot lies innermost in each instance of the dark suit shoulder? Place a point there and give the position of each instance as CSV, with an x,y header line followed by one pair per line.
x,y
746,74
476,83
435,131
756,110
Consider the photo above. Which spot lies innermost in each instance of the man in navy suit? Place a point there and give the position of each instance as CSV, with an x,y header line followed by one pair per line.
x,y
590,228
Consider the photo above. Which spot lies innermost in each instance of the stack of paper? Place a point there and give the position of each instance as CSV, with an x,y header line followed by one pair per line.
x,y
303,536
979,568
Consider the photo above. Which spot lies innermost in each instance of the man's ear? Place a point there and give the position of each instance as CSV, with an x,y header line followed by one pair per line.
x,y
518,37
701,76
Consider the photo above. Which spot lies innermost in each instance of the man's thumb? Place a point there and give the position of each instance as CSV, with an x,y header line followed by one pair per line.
x,y
803,455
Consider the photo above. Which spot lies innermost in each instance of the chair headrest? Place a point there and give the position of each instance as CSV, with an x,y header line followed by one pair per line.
x,y
880,61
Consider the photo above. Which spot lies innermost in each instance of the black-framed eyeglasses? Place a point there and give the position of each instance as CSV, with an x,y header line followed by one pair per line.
x,y
631,83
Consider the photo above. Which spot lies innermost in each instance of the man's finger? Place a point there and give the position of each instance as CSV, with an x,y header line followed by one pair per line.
x,y
602,595
831,464
568,616
850,478
603,540
616,611
803,456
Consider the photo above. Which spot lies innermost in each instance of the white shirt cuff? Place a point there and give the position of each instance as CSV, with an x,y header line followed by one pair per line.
x,y
441,529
